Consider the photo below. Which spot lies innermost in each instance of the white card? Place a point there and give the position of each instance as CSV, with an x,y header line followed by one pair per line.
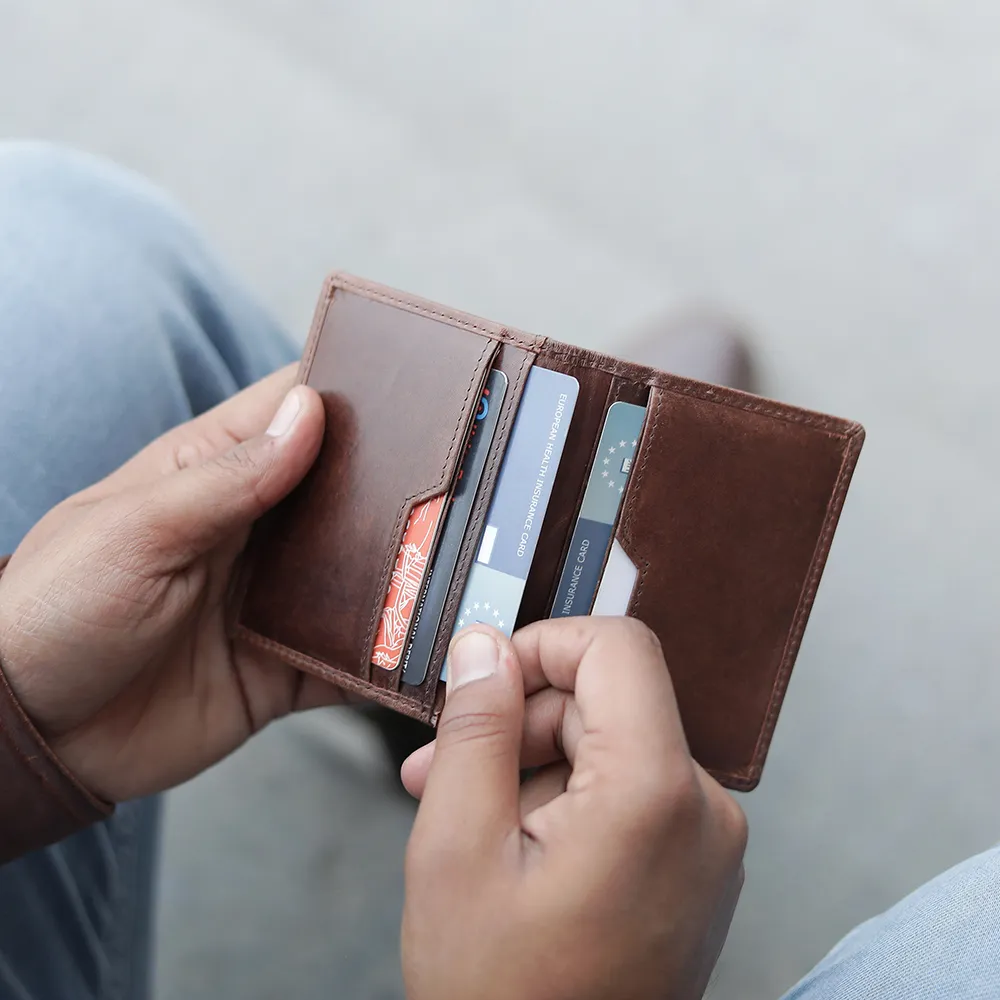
x,y
617,584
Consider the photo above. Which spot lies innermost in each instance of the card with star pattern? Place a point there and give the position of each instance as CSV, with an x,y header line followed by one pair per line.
x,y
601,502
495,583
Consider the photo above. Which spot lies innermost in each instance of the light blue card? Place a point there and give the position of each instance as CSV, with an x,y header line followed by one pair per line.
x,y
495,584
603,499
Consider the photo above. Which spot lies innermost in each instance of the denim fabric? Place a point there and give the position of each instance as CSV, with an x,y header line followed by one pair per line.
x,y
115,325
940,943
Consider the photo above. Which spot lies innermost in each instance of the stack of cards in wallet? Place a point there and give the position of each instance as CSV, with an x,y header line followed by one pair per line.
x,y
438,582
597,576
496,581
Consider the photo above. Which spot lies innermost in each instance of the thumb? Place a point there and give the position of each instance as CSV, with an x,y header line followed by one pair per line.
x,y
473,786
196,508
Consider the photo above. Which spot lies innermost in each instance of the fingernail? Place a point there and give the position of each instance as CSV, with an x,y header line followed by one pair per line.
x,y
474,656
285,417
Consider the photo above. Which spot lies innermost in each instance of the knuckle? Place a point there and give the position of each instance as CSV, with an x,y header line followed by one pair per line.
x,y
674,801
471,726
184,454
238,461
637,635
733,822
244,469
135,533
682,797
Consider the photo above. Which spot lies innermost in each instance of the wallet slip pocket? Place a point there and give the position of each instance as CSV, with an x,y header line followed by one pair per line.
x,y
400,390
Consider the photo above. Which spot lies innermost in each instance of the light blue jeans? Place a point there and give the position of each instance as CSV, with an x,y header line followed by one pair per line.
x,y
116,324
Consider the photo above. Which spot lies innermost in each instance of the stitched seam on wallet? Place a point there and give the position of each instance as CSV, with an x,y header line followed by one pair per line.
x,y
733,399
805,601
474,380
737,781
340,678
315,335
498,447
492,330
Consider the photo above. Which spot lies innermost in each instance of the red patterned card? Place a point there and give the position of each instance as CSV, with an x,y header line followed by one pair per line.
x,y
406,581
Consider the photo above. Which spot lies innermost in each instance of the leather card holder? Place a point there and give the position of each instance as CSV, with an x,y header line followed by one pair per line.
x,y
728,517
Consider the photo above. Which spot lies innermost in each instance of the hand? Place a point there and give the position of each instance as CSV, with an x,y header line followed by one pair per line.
x,y
611,873
112,609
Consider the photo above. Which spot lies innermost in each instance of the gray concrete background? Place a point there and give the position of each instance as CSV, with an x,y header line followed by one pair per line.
x,y
829,171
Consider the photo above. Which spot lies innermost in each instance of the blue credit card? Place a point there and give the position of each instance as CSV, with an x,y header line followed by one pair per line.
x,y
495,584
602,500
427,620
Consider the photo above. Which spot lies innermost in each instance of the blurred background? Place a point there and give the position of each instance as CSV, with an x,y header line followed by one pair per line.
x,y
828,172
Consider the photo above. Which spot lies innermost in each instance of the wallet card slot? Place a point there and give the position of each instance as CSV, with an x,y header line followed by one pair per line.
x,y
727,520
598,391
400,390
515,362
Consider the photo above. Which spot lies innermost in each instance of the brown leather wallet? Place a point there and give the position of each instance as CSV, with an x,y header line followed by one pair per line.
x,y
728,515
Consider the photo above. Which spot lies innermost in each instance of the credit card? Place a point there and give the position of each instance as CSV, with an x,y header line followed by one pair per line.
x,y
406,581
581,574
496,580
470,474
617,584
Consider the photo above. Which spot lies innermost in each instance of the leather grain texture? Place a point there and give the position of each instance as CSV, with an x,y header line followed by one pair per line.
x,y
728,517
399,390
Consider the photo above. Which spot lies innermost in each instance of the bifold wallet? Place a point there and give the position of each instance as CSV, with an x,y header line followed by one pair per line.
x,y
726,520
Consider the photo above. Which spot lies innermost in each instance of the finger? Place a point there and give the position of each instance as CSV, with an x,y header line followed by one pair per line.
x,y
208,435
544,786
552,732
616,671
249,412
473,784
607,677
191,511
415,769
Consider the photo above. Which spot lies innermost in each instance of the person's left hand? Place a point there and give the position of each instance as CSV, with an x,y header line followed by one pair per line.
x,y
112,610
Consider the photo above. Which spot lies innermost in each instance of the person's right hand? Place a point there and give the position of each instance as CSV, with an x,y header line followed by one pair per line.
x,y
613,872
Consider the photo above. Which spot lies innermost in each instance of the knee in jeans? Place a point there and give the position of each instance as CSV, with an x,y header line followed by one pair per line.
x,y
37,175
89,256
